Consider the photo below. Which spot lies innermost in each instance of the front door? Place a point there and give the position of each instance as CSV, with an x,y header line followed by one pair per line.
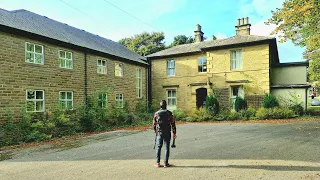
x,y
201,97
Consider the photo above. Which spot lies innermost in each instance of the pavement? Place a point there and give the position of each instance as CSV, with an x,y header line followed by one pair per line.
x,y
204,151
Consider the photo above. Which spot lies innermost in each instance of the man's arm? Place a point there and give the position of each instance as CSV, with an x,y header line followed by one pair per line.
x,y
154,123
173,125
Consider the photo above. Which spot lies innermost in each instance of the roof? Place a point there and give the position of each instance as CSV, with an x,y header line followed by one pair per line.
x,y
284,86
40,25
200,46
302,63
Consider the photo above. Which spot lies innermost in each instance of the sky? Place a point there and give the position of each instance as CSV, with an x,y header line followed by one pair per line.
x,y
117,19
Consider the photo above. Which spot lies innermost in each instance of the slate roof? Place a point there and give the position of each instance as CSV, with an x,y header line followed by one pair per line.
x,y
28,21
199,46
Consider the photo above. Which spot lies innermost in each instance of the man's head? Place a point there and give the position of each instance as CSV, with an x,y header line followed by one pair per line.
x,y
163,104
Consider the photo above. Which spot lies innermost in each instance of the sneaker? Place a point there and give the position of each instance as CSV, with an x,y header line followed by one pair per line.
x,y
166,165
157,165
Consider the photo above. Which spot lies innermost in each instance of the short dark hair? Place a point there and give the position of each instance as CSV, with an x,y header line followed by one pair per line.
x,y
163,104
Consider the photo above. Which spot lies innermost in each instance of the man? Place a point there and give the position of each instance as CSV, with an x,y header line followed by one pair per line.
x,y
163,122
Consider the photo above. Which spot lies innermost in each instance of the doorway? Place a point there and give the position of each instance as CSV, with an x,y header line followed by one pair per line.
x,y
201,94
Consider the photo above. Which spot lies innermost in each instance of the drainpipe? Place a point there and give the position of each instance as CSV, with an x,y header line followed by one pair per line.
x,y
149,98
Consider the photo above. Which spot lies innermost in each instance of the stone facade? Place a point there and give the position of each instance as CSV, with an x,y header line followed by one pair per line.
x,y
18,76
253,77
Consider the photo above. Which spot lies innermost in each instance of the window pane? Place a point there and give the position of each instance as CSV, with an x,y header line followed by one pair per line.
x,y
173,93
68,55
69,104
39,106
235,91
30,106
69,95
30,94
200,68
169,101
104,70
39,95
62,104
62,54
62,95
69,64
38,58
169,93
174,101
61,62
29,57
30,47
38,49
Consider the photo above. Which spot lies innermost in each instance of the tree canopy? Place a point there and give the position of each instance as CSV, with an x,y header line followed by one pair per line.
x,y
145,43
299,21
181,39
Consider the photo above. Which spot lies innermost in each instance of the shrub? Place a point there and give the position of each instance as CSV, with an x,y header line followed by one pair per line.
x,y
297,109
212,104
233,115
179,115
240,104
270,101
200,115
274,113
247,114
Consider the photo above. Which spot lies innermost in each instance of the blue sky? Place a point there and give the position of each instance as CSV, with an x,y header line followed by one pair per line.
x,y
173,17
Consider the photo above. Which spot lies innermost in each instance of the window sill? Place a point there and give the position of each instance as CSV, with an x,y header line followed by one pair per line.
x,y
33,64
237,70
101,74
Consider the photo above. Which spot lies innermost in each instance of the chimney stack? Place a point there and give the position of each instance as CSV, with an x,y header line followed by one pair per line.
x,y
214,37
243,27
198,34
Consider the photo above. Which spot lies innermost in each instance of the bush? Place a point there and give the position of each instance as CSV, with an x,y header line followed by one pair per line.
x,y
274,113
270,101
200,115
240,104
233,115
297,109
179,115
247,114
212,104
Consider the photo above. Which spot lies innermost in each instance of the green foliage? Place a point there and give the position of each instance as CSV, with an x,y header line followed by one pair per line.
x,y
274,113
200,115
233,115
247,114
179,115
297,109
212,104
141,106
145,43
240,104
270,101
181,39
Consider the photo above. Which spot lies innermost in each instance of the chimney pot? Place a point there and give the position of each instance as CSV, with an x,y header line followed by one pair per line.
x,y
243,27
242,21
214,37
239,22
247,20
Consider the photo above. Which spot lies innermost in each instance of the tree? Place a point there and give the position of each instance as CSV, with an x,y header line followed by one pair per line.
x,y
145,43
299,21
181,39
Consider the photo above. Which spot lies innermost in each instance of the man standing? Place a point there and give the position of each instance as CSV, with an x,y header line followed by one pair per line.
x,y
163,122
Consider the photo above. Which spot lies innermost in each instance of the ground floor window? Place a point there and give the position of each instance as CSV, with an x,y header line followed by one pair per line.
x,y
171,99
119,100
102,100
35,100
66,99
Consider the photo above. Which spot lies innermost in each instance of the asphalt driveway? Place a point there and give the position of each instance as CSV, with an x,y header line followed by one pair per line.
x,y
204,151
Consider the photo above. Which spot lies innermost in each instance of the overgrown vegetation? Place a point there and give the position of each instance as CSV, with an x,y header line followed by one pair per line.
x,y
240,104
270,101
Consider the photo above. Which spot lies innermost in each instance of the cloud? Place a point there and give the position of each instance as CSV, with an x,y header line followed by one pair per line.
x,y
221,35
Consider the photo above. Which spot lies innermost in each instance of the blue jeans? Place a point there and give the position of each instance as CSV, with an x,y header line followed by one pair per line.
x,y
163,138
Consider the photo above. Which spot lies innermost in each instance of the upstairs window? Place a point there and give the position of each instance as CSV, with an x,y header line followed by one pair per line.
x,y
35,100
236,59
34,53
65,59
202,64
139,82
118,70
170,67
102,66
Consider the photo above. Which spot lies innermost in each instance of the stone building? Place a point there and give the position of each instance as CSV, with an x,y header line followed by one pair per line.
x,y
45,64
236,66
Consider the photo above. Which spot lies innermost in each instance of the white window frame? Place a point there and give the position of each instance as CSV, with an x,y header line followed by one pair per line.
x,y
66,100
101,67
236,59
118,70
139,82
171,106
65,59
35,100
119,99
171,67
101,100
34,53
202,64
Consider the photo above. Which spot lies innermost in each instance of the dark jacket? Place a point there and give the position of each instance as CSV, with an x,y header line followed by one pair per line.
x,y
163,121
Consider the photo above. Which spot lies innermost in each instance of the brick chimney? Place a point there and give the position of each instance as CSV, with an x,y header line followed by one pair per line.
x,y
198,34
243,27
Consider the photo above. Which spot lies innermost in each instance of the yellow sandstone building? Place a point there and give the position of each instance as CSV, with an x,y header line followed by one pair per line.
x,y
236,66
